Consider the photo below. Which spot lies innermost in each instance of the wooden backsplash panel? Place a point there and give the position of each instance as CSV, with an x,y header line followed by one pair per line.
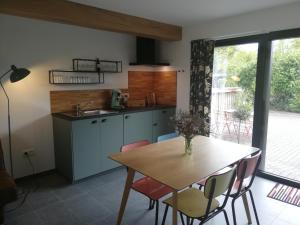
x,y
162,83
165,87
140,84
63,101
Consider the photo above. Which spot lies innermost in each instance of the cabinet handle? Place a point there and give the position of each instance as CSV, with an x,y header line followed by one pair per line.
x,y
127,116
103,120
164,111
94,121
155,124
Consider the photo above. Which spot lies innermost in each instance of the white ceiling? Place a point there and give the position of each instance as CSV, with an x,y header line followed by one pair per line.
x,y
184,12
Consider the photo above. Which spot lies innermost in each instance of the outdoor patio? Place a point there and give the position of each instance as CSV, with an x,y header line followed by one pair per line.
x,y
283,143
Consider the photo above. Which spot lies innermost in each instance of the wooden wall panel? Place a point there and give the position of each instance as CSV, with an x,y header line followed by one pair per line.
x,y
165,87
64,101
163,84
140,84
68,12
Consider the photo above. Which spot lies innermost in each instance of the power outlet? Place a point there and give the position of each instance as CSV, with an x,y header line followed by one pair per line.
x,y
28,152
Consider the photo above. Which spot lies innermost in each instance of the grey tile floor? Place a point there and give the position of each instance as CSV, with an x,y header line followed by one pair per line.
x,y
95,201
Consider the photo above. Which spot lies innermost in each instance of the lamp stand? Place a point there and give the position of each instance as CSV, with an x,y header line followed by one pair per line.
x,y
9,126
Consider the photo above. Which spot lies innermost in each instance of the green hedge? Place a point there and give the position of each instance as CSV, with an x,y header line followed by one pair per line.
x,y
285,81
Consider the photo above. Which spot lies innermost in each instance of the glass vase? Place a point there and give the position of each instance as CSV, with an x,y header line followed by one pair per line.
x,y
188,146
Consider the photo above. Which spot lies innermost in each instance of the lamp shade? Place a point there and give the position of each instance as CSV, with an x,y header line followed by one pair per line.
x,y
18,73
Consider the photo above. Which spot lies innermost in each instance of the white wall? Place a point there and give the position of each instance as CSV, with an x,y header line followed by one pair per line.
x,y
178,53
41,46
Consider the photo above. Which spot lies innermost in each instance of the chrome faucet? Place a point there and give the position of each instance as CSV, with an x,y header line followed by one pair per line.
x,y
79,107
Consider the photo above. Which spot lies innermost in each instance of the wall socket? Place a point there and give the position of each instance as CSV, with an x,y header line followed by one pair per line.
x,y
29,152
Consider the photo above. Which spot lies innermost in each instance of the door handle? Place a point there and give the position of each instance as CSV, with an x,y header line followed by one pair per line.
x,y
155,124
164,111
103,120
127,116
94,121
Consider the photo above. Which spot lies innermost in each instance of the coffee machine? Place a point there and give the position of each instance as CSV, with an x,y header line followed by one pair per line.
x,y
118,99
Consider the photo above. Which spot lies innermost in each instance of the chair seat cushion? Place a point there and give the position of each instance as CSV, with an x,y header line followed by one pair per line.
x,y
8,190
151,188
192,203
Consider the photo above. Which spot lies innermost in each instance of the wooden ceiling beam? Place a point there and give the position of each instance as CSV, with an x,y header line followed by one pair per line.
x,y
67,12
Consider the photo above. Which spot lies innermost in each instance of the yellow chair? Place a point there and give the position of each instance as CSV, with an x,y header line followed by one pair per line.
x,y
203,206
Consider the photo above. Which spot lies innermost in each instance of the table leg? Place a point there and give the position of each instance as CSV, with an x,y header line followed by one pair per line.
x,y
174,207
129,180
246,205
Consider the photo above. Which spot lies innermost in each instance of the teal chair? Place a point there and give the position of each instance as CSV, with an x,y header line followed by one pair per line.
x,y
167,137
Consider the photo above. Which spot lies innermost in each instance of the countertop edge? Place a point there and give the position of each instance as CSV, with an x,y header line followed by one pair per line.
x,y
121,112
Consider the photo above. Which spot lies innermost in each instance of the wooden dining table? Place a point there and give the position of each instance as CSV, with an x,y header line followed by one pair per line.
x,y
167,163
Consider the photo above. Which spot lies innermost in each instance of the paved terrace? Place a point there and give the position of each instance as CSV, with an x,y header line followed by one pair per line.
x,y
283,144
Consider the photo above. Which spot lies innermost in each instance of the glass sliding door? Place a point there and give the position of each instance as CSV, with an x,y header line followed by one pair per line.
x,y
233,91
283,138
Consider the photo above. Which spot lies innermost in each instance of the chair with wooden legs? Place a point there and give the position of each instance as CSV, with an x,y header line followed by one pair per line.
x,y
146,185
203,206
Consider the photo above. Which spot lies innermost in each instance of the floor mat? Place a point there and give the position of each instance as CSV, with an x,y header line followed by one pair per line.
x,y
285,194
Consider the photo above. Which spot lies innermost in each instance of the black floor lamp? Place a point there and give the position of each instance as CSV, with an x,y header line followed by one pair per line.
x,y
16,75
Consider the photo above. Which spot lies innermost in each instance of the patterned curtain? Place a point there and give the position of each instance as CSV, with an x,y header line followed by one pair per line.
x,y
202,54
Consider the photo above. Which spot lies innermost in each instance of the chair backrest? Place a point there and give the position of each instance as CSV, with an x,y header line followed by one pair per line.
x,y
132,146
248,166
218,184
2,165
247,169
167,137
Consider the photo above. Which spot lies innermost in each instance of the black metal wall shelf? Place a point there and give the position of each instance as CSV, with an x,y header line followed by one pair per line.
x,y
107,66
94,65
91,70
75,77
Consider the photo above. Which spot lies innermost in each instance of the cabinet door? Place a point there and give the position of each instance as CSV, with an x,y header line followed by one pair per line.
x,y
170,125
86,148
111,139
137,126
161,122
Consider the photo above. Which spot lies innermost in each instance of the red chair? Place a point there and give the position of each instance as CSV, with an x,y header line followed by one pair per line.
x,y
146,185
246,172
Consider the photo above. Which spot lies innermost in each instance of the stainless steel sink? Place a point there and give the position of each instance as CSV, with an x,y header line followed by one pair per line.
x,y
97,112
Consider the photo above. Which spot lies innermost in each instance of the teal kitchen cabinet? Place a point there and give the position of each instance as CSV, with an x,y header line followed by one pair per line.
x,y
77,147
137,126
82,146
170,125
162,123
86,148
111,139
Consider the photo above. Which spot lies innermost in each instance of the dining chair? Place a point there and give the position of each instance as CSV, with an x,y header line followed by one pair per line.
x,y
203,205
167,137
147,186
246,171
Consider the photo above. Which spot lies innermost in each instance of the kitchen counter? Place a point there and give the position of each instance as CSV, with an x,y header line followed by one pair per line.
x,y
73,115
83,143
